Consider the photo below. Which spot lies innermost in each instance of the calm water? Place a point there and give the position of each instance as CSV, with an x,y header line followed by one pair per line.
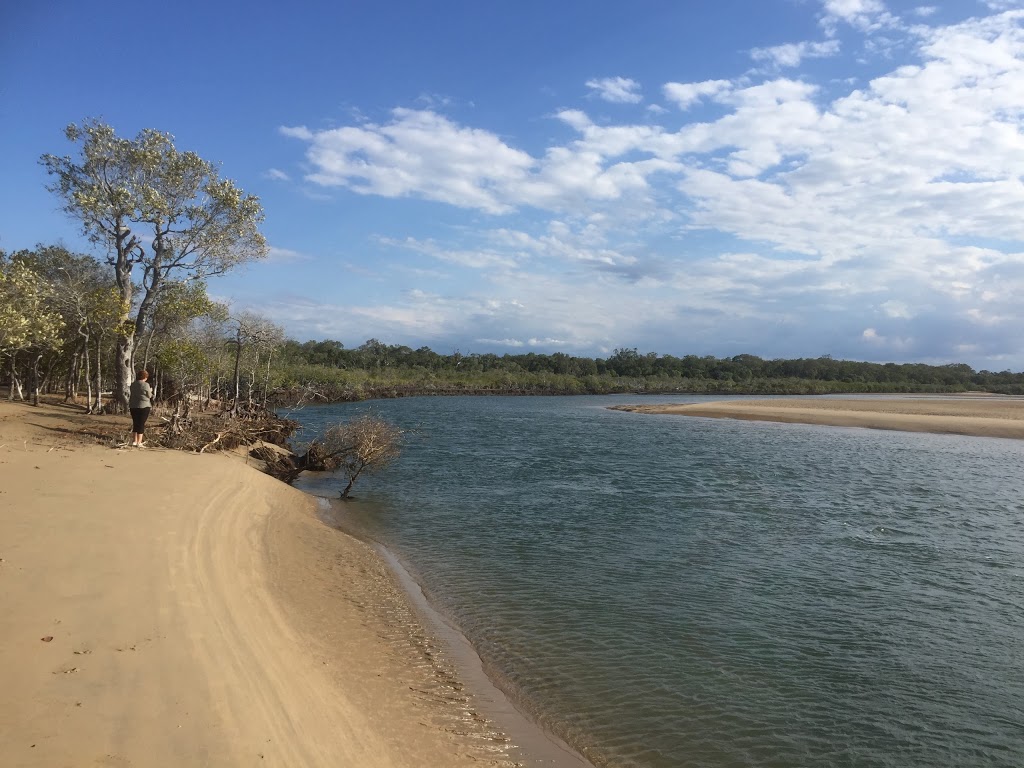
x,y
666,591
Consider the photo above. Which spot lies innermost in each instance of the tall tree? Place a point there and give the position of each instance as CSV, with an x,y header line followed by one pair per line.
x,y
84,295
259,336
28,321
167,212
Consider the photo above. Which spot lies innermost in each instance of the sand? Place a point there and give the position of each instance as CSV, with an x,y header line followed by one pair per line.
x,y
967,415
171,609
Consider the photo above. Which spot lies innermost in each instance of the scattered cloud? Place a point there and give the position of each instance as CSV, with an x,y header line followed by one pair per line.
x,y
869,218
434,100
549,342
617,90
685,95
296,132
791,54
418,152
890,343
514,343
277,175
471,258
863,15
277,255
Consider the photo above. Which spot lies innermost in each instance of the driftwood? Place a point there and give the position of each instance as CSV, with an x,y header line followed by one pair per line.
x,y
288,466
364,445
219,433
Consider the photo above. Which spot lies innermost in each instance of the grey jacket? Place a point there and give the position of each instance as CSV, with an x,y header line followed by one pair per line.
x,y
141,395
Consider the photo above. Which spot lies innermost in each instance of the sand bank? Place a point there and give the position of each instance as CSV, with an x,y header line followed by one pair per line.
x,y
981,416
170,609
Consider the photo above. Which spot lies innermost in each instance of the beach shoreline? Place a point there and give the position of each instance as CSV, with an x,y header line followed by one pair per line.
x,y
533,745
958,415
175,609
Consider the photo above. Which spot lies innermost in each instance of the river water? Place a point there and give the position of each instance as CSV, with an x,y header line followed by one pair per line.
x,y
669,591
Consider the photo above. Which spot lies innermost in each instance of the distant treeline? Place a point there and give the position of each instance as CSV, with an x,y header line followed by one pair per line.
x,y
375,369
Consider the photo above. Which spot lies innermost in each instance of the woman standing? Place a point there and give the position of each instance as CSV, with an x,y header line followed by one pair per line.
x,y
139,404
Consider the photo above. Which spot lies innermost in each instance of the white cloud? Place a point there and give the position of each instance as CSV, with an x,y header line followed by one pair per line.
x,y
848,10
791,54
617,90
865,15
502,342
471,258
285,255
685,95
277,175
898,309
891,343
418,153
548,342
892,208
433,100
423,154
296,132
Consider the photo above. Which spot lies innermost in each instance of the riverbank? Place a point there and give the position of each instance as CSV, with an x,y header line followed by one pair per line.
x,y
978,415
167,609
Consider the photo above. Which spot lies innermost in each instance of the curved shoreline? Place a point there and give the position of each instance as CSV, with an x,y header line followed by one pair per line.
x,y
981,417
532,744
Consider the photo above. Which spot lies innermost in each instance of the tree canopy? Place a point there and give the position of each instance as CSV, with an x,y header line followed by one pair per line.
x,y
155,208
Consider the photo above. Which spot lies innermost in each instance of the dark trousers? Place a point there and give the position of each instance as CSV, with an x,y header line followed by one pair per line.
x,y
139,416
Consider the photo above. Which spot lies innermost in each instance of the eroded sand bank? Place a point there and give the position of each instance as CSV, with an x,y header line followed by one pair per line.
x,y
168,609
981,416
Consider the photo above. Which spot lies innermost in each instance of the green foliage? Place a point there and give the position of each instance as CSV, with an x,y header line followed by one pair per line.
x,y
181,302
375,370
184,359
153,207
28,319
199,223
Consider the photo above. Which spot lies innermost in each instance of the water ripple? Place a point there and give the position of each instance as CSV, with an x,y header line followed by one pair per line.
x,y
686,592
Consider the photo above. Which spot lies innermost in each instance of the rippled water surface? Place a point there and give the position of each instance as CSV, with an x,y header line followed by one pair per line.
x,y
670,591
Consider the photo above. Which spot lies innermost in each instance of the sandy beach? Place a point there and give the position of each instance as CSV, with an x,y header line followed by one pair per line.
x,y
965,415
171,609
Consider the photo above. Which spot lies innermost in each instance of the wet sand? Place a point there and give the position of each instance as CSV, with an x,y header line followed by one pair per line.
x,y
171,609
965,415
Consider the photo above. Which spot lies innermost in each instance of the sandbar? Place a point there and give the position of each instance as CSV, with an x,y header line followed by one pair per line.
x,y
971,415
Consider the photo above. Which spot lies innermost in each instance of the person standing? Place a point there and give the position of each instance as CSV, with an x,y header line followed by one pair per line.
x,y
139,404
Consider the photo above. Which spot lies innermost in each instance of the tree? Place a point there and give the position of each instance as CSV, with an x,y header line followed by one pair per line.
x,y
259,336
179,304
82,292
362,446
370,444
177,350
94,308
28,321
190,223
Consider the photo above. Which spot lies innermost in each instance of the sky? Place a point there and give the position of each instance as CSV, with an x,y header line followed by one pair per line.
x,y
783,178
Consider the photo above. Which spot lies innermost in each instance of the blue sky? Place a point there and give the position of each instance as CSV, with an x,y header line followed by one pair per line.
x,y
784,178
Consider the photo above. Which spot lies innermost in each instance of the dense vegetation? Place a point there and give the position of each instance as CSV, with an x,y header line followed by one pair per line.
x,y
59,320
375,369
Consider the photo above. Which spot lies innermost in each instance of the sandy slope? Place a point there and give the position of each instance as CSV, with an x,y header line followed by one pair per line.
x,y
981,416
201,615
